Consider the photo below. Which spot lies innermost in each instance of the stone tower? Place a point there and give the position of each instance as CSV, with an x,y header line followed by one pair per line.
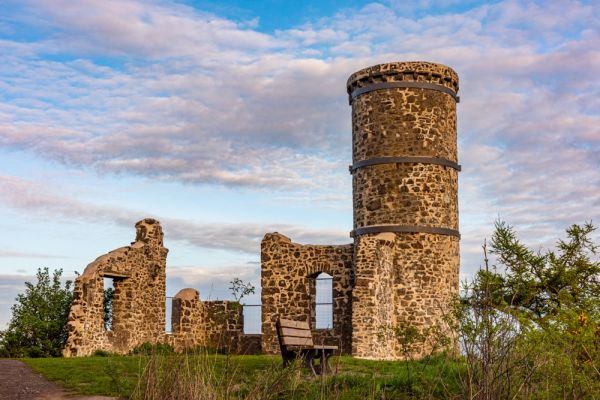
x,y
404,181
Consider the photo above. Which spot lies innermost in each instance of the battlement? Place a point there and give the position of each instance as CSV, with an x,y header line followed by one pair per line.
x,y
411,71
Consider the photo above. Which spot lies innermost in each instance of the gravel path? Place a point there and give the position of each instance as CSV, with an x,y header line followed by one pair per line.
x,y
19,382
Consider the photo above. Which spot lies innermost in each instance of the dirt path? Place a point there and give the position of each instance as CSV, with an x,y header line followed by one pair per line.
x,y
19,382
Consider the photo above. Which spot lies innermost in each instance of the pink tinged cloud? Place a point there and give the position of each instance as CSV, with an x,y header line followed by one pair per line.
x,y
241,237
205,100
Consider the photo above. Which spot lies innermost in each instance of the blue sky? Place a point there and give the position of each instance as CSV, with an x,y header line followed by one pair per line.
x,y
227,120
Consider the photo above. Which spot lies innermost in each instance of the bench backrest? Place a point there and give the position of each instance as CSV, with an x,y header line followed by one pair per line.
x,y
293,333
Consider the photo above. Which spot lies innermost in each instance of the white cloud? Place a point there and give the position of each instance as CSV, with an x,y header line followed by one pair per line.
x,y
165,91
240,237
27,254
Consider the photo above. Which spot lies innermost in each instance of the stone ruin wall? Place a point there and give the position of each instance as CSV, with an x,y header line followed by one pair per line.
x,y
402,269
138,314
288,288
216,325
405,185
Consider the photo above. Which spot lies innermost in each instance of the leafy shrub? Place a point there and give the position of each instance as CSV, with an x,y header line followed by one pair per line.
x,y
153,348
38,325
103,353
530,327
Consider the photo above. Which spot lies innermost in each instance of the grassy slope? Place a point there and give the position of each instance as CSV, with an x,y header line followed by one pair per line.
x,y
112,376
239,375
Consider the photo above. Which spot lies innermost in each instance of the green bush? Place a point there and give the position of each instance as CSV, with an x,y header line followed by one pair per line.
x,y
153,348
38,325
103,353
530,326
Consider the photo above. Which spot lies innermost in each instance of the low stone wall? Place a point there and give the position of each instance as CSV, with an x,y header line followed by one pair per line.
x,y
214,325
250,344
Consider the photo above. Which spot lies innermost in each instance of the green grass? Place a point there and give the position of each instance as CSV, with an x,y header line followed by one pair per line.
x,y
244,376
110,376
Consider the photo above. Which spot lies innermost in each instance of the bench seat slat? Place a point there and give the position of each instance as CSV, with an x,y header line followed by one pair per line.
x,y
306,333
312,348
296,347
296,341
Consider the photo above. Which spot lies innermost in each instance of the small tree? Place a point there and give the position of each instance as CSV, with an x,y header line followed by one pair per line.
x,y
240,289
531,327
38,326
541,284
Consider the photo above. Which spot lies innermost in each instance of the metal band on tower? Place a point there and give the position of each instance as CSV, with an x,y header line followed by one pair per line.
x,y
396,93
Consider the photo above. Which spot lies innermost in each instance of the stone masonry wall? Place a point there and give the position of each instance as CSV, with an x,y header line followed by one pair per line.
x,y
403,278
139,303
287,279
402,269
211,324
404,194
138,314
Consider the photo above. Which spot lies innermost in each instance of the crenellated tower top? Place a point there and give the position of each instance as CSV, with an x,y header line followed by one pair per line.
x,y
410,71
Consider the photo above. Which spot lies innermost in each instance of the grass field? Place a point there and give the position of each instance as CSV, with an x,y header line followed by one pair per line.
x,y
249,377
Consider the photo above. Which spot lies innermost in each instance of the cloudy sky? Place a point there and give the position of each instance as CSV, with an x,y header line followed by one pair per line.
x,y
226,120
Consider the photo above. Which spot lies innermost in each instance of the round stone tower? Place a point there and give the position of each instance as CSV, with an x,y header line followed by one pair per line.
x,y
405,189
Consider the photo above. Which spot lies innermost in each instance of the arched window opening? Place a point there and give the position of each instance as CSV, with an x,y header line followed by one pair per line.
x,y
324,301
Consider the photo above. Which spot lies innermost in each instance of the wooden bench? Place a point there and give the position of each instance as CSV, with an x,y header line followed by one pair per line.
x,y
296,341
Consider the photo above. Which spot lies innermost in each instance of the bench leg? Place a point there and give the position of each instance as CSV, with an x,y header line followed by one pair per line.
x,y
308,358
288,357
325,355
